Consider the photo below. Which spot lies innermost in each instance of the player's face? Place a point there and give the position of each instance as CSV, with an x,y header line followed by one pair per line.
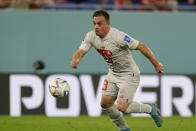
x,y
101,26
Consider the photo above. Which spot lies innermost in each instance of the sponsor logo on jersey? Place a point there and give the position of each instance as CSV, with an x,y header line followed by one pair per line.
x,y
127,39
121,97
106,54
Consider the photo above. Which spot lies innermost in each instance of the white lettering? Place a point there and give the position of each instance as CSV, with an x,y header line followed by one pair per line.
x,y
92,98
92,101
32,102
181,103
146,81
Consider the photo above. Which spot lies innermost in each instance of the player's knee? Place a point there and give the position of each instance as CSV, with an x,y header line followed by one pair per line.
x,y
106,104
107,101
122,107
103,105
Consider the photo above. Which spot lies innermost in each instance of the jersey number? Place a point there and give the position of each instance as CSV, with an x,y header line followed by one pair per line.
x,y
105,85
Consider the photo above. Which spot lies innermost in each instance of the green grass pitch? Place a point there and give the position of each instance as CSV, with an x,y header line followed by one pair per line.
x,y
85,123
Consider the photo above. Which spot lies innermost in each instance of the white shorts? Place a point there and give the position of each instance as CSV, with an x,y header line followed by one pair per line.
x,y
123,86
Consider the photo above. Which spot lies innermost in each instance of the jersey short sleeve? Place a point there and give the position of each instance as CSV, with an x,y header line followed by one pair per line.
x,y
86,43
126,40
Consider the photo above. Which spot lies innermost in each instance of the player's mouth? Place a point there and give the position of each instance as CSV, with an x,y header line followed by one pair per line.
x,y
96,31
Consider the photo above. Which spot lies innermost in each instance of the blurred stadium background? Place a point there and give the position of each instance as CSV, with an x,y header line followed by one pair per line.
x,y
45,33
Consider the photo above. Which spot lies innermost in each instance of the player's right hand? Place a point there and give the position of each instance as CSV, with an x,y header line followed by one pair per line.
x,y
77,56
73,64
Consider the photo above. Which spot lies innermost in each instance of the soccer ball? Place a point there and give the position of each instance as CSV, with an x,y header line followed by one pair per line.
x,y
59,88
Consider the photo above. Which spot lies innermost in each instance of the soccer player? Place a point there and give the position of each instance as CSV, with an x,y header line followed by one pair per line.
x,y
123,77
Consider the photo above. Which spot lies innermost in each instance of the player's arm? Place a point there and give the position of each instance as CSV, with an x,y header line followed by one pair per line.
x,y
77,56
149,54
82,50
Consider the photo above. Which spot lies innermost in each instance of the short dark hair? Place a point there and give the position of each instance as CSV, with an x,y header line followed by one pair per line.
x,y
101,13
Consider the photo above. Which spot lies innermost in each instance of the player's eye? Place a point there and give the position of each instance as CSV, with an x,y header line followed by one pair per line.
x,y
99,23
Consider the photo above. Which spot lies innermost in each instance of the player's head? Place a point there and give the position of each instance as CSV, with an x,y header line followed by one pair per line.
x,y
101,21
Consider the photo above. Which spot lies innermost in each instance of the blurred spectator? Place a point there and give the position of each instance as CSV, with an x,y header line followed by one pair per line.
x,y
192,2
119,3
187,2
183,4
38,4
60,1
39,67
104,1
161,5
173,4
77,1
138,5
156,4
20,4
35,4
4,4
149,5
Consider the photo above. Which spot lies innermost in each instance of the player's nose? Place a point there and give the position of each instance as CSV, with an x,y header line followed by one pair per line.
x,y
96,26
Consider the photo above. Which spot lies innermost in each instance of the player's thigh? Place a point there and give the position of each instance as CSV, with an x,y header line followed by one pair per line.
x,y
127,89
126,94
109,92
109,87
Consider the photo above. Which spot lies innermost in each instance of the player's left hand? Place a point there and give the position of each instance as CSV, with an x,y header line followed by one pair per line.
x,y
159,68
